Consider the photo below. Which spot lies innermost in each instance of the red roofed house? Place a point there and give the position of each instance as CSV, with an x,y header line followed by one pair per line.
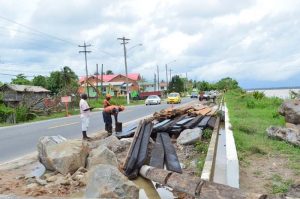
x,y
112,84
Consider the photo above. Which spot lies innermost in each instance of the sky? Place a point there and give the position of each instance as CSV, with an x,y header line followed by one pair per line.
x,y
256,42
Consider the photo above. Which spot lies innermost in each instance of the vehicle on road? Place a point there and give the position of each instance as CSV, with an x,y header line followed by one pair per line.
x,y
153,99
194,95
174,98
144,95
207,95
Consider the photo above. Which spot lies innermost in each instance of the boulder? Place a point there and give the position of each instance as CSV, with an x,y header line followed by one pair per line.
x,y
290,109
65,157
189,136
114,144
287,134
106,181
101,155
42,146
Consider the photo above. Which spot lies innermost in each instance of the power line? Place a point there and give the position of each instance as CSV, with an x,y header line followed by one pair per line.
x,y
38,31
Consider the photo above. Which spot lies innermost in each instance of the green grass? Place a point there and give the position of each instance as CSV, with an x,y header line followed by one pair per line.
x,y
202,147
250,117
278,184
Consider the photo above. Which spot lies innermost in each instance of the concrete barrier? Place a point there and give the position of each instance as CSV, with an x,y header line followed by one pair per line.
x,y
231,154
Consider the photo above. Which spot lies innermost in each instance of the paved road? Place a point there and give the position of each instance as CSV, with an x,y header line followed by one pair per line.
x,y
16,141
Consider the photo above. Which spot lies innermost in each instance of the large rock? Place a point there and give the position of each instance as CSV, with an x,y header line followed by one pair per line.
x,y
106,181
114,144
290,109
43,145
189,136
65,157
101,155
287,134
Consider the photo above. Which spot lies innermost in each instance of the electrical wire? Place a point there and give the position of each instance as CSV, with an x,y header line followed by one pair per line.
x,y
38,31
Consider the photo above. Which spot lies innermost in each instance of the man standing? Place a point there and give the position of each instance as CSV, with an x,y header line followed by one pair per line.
x,y
84,116
106,102
107,112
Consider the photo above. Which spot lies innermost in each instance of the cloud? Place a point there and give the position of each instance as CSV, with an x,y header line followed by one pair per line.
x,y
251,40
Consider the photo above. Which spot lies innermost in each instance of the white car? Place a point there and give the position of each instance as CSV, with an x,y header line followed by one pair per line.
x,y
152,99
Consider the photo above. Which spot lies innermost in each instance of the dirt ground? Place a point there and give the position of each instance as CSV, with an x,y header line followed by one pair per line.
x,y
257,175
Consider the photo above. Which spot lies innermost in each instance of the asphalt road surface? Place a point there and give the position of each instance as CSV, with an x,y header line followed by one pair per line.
x,y
19,140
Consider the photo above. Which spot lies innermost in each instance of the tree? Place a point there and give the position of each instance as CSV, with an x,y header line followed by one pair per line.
x,y
176,84
40,81
227,83
54,82
21,79
65,81
109,72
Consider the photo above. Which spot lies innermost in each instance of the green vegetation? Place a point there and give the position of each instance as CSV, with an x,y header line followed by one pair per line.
x,y
250,115
202,147
279,185
176,84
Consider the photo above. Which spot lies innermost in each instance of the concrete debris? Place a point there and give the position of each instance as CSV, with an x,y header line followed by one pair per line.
x,y
106,181
189,136
288,134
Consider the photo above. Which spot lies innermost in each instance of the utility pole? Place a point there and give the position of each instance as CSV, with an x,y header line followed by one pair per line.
x,y
86,68
167,76
154,86
97,81
171,74
157,69
101,79
124,42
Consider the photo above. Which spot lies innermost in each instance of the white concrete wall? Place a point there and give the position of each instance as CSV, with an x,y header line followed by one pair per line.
x,y
231,154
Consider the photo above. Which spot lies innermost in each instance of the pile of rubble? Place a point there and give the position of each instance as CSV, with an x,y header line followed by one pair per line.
x,y
290,109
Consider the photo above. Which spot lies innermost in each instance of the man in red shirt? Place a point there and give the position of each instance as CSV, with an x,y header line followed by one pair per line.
x,y
107,112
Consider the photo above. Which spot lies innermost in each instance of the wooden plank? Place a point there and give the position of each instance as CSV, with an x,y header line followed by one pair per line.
x,y
204,121
171,159
136,134
193,123
144,145
157,153
135,152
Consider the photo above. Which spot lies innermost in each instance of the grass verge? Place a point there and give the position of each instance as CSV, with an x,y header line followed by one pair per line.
x,y
250,116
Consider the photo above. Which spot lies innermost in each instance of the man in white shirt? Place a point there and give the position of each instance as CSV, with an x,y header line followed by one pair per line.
x,y
84,116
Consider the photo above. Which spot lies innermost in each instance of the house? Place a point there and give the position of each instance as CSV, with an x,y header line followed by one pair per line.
x,y
113,84
14,95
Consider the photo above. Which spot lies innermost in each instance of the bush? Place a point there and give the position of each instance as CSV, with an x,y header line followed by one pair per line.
x,y
23,114
250,104
5,112
201,147
258,95
207,134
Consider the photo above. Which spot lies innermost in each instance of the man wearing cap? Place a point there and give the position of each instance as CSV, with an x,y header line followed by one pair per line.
x,y
85,110
107,112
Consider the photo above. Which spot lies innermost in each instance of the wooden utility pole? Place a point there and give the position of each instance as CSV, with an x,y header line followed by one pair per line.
x,y
124,42
170,74
154,85
167,76
157,69
86,67
101,79
97,74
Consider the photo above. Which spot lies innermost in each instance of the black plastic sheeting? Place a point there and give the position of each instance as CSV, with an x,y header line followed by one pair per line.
x,y
127,131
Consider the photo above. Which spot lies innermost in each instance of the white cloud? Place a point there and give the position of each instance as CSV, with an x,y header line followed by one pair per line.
x,y
251,40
